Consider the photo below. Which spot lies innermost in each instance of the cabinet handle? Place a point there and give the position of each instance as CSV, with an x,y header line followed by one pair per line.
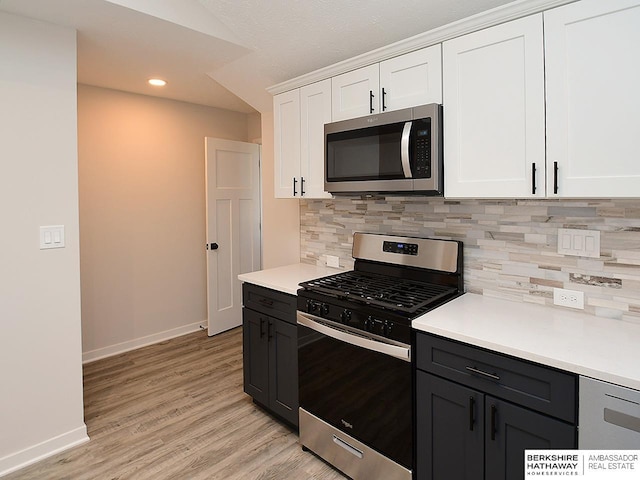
x,y
555,177
492,376
384,94
269,334
472,405
294,186
533,178
302,186
493,422
262,328
370,101
266,302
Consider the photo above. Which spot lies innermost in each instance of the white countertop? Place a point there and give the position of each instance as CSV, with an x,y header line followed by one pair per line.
x,y
601,348
286,279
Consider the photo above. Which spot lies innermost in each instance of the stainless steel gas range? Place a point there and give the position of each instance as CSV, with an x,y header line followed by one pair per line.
x,y
355,351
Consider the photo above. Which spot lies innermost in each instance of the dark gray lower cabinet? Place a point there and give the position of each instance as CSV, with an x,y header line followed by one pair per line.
x,y
450,429
510,430
465,432
270,351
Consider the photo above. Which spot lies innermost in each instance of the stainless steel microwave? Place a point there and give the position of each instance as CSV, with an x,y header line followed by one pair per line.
x,y
398,151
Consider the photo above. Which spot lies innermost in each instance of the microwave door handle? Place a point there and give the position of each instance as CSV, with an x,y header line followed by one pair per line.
x,y
404,150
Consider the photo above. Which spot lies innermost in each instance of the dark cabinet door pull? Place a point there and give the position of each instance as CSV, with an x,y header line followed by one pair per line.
x,y
384,94
269,334
294,186
472,405
492,376
533,178
370,101
262,321
302,186
493,422
266,302
555,177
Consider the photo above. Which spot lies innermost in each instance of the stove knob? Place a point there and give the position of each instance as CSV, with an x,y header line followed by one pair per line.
x,y
369,324
345,316
324,309
311,306
386,328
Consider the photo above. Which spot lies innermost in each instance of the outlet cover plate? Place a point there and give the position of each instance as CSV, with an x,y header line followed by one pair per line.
x,y
568,298
333,261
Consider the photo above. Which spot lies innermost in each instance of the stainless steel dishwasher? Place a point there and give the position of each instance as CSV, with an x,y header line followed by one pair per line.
x,y
609,416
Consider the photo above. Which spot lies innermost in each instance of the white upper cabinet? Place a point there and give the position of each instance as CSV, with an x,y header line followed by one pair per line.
x,y
593,98
315,109
411,79
286,143
299,118
355,93
494,112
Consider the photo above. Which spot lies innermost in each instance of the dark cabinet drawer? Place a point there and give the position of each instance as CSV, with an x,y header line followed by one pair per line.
x,y
531,385
270,302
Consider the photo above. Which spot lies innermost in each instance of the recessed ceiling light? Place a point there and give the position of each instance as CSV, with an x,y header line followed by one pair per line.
x,y
157,82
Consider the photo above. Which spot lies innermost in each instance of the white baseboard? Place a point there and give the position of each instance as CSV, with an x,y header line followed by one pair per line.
x,y
42,450
111,350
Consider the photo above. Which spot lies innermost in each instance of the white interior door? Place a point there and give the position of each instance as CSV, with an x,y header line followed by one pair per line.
x,y
233,227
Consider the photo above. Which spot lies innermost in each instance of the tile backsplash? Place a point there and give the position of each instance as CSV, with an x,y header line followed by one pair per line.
x,y
510,246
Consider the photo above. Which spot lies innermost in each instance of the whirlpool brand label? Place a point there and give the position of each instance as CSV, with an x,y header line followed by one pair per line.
x,y
346,424
583,464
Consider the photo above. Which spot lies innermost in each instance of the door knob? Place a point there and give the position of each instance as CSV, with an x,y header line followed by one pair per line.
x,y
214,246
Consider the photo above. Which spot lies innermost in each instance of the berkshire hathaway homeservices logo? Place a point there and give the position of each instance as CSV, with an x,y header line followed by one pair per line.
x,y
587,464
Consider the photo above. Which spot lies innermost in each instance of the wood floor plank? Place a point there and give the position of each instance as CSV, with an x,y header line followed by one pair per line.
x,y
176,410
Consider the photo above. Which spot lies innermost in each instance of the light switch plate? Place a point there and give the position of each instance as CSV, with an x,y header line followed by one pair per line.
x,y
51,236
581,243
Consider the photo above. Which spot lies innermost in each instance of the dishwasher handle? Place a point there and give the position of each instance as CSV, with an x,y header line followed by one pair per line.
x,y
621,419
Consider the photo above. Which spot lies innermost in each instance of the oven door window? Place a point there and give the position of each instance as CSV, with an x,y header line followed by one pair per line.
x,y
371,153
363,393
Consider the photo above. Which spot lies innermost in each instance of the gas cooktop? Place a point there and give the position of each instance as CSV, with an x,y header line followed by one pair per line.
x,y
392,293
395,279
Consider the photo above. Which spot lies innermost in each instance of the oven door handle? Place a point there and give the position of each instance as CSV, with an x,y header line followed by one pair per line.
x,y
402,353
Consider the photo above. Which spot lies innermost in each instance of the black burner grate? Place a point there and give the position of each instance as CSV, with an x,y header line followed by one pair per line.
x,y
391,293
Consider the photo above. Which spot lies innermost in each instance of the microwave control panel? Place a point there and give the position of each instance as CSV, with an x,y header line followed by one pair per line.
x,y
422,149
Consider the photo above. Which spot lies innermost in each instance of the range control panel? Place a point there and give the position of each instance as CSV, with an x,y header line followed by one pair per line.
x,y
401,248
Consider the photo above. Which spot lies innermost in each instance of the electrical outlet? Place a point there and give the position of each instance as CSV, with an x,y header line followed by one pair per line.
x,y
333,261
568,298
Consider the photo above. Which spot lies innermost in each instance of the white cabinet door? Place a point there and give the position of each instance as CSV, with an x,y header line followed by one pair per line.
x,y
411,79
315,111
286,130
592,53
355,94
494,111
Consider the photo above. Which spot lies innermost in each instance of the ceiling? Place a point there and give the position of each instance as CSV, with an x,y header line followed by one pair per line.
x,y
225,53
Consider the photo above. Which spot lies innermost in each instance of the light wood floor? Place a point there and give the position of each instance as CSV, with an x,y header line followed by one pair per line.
x,y
176,410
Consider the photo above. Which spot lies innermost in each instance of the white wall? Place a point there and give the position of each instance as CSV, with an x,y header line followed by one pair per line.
x,y
41,408
142,215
